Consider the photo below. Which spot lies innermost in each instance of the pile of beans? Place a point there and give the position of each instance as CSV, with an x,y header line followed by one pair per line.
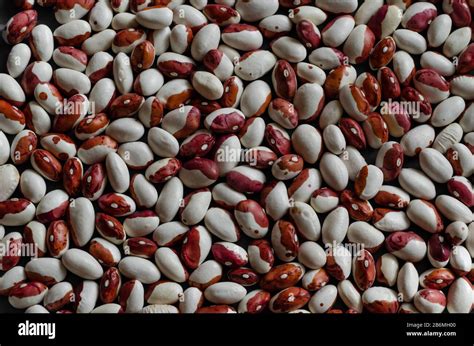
x,y
168,156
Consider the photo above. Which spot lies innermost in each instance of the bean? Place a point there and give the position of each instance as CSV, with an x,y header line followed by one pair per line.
x,y
225,293
430,301
379,299
455,303
82,264
350,296
140,269
439,30
323,299
252,123
407,281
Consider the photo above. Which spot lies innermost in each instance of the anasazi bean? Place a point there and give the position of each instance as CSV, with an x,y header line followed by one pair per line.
x,y
231,175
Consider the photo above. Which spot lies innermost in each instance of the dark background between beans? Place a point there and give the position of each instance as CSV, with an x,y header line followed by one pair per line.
x,y
46,16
